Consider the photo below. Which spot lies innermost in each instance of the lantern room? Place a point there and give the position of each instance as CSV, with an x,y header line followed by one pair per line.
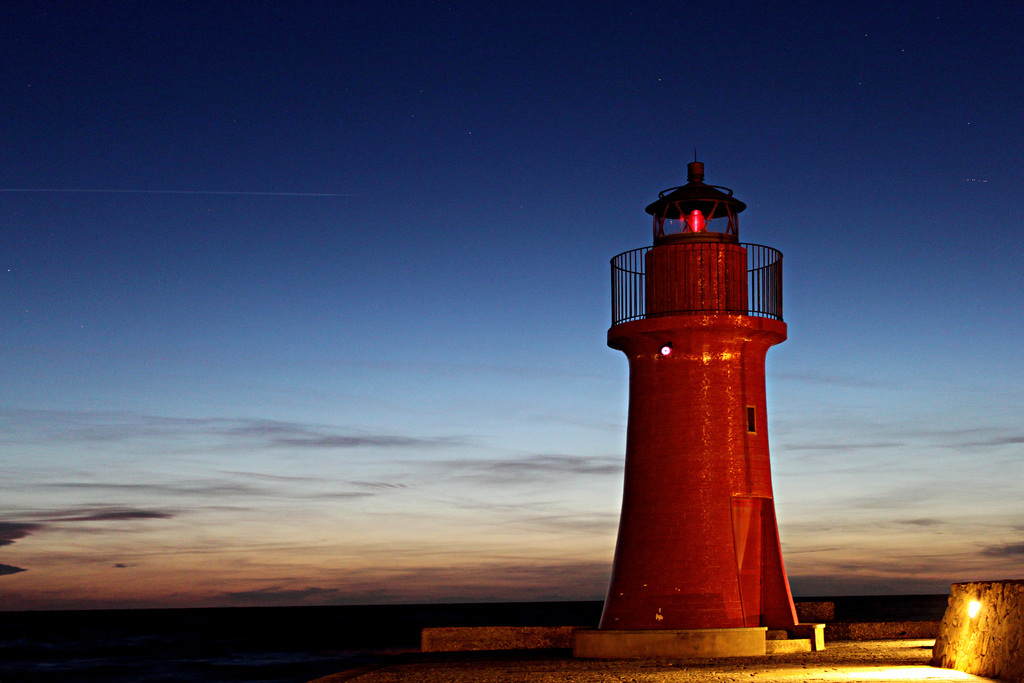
x,y
695,211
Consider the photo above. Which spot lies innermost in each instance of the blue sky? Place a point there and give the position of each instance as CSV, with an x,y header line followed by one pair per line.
x,y
398,390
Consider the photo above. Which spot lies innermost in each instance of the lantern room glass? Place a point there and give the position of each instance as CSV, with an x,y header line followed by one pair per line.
x,y
689,223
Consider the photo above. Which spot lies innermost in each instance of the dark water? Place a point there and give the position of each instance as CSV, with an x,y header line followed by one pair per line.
x,y
288,644
268,644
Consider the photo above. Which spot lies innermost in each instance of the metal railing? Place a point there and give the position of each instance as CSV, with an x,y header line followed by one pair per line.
x,y
764,285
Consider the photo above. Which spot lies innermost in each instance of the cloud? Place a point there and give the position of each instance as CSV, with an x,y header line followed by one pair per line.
x,y
508,579
260,476
343,495
557,464
181,488
12,531
841,446
220,489
888,497
110,514
380,485
274,433
998,441
1005,550
808,551
240,433
338,441
595,523
277,595
839,583
925,521
832,380
530,469
974,437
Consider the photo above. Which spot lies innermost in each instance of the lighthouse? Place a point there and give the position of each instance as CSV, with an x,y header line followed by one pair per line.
x,y
698,564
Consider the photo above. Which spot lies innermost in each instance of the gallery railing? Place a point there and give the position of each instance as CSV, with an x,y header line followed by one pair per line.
x,y
764,285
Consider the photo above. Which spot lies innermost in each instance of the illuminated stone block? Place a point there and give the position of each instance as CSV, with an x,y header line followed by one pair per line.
x,y
982,632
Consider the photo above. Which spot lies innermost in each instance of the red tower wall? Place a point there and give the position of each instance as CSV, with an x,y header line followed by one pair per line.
x,y
696,276
698,544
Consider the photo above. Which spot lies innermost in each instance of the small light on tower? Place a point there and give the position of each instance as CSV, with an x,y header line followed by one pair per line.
x,y
666,350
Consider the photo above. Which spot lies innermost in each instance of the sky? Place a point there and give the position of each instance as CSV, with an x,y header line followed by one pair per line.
x,y
306,302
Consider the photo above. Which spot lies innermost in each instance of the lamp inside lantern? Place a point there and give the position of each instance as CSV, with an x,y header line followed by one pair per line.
x,y
696,221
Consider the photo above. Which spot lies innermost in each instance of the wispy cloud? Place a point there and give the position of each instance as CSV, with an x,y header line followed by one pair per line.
x,y
997,441
846,584
500,580
261,476
841,446
895,435
343,495
593,523
248,486
294,434
339,441
13,531
899,498
110,514
40,426
1005,550
832,380
530,469
380,485
202,488
277,595
923,522
41,520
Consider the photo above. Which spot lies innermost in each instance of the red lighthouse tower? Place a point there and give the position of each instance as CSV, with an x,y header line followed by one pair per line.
x,y
698,546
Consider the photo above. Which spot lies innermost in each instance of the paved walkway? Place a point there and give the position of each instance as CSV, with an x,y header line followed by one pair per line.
x,y
874,661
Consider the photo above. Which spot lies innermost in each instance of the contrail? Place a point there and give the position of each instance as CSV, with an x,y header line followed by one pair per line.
x,y
262,194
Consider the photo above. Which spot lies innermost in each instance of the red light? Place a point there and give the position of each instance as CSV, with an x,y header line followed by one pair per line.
x,y
696,221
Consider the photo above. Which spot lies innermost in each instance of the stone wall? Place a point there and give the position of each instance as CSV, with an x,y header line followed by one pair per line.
x,y
880,630
991,643
808,612
463,638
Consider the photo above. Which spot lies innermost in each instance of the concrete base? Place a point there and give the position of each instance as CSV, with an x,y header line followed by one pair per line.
x,y
787,646
814,633
638,644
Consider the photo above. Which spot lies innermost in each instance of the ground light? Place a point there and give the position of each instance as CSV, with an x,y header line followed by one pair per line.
x,y
973,608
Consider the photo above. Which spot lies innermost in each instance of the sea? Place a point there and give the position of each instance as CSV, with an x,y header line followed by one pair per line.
x,y
290,644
